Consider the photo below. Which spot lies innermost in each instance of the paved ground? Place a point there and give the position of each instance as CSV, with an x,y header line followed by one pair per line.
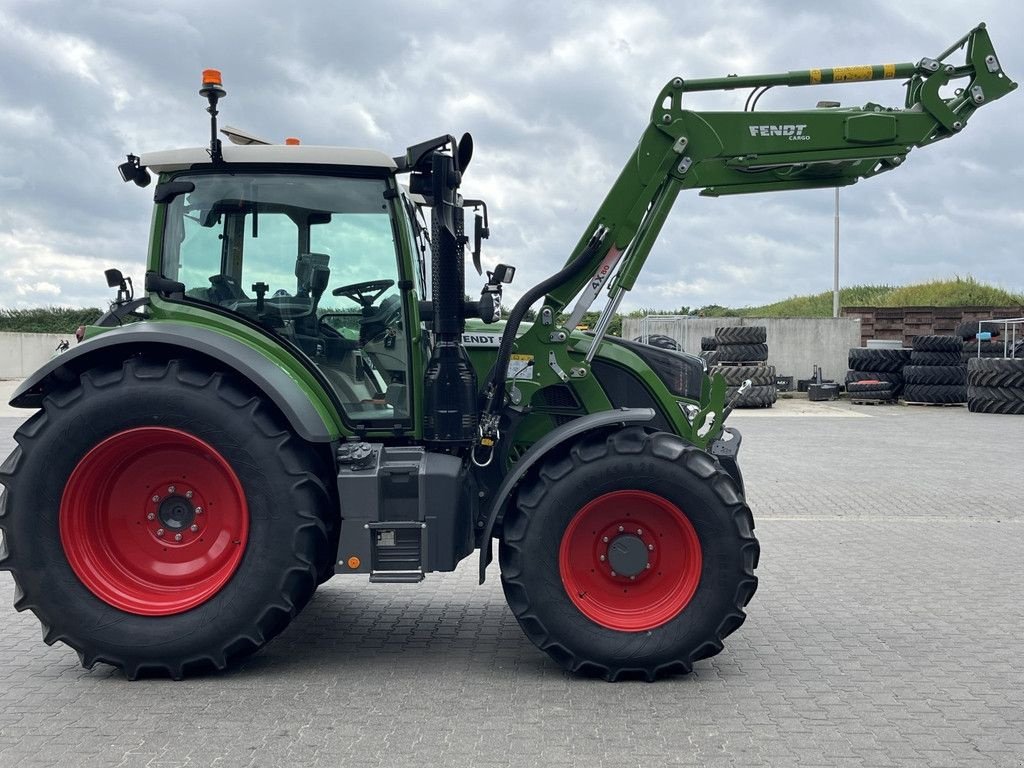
x,y
888,631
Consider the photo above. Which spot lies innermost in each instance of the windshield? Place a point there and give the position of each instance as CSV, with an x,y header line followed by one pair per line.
x,y
236,230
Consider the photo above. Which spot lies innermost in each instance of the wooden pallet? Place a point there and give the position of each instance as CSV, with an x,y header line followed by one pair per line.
x,y
939,405
740,365
871,401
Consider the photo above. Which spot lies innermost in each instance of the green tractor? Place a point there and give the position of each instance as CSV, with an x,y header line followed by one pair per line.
x,y
304,390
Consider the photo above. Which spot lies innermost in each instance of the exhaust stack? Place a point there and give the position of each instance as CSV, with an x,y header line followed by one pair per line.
x,y
450,386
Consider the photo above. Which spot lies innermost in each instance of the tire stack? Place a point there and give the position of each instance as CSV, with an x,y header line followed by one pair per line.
x,y
709,350
741,353
937,373
986,349
876,375
659,340
995,386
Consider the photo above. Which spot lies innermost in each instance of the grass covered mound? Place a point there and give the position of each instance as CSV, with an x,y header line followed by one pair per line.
x,y
958,292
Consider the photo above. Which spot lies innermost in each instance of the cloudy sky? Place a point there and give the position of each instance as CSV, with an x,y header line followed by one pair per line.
x,y
555,94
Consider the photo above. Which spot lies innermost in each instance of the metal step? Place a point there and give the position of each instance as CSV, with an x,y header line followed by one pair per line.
x,y
397,549
396,577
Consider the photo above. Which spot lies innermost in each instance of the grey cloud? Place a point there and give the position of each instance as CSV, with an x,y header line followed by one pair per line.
x,y
556,96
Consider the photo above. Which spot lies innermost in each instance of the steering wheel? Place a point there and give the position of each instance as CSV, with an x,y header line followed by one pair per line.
x,y
364,294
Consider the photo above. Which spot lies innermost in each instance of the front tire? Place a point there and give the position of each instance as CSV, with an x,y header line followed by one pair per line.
x,y
161,518
633,554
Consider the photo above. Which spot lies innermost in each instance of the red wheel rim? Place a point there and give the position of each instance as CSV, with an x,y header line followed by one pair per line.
x,y
153,521
657,551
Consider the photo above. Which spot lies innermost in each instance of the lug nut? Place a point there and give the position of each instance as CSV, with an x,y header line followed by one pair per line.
x,y
151,516
188,494
648,566
159,531
199,510
621,529
194,528
602,558
177,537
614,573
171,489
632,578
604,539
650,547
639,531
155,498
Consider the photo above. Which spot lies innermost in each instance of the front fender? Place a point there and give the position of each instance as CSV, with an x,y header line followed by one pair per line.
x,y
538,451
181,340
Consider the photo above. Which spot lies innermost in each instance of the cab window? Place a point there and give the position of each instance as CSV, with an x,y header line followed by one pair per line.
x,y
311,257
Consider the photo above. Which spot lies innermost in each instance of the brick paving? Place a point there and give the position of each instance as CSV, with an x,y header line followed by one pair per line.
x,y
887,631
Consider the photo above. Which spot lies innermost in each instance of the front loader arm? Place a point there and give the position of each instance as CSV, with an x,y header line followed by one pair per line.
x,y
724,153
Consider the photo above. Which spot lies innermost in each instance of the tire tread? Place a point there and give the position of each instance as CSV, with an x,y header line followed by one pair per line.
x,y
295,586
628,441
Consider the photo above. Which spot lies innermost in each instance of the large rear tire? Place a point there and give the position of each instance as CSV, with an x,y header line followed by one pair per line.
x,y
177,518
631,555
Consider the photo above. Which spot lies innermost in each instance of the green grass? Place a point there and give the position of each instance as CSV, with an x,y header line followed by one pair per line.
x,y
46,319
958,292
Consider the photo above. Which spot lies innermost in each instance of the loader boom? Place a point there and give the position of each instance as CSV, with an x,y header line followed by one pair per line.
x,y
724,153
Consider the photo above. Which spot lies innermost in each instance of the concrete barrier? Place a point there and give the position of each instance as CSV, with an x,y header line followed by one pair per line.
x,y
22,353
795,344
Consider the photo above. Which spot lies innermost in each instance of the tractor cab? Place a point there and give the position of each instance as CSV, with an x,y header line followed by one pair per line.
x,y
303,242
320,248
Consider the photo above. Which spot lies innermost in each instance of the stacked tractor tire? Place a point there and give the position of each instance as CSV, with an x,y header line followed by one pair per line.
x,y
709,350
995,385
937,373
987,349
739,353
661,341
876,375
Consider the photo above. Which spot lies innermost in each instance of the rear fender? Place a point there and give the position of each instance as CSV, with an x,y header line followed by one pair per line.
x,y
540,450
173,340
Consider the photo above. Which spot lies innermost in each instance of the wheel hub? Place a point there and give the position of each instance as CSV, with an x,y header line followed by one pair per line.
x,y
176,512
628,555
626,550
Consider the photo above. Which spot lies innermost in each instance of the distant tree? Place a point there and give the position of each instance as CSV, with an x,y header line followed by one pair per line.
x,y
47,319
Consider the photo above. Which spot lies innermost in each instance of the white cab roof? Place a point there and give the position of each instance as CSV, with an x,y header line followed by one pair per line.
x,y
181,159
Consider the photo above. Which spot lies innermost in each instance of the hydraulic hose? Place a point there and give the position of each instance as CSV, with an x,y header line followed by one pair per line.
x,y
496,386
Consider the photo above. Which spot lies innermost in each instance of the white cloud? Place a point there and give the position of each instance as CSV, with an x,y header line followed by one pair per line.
x,y
556,97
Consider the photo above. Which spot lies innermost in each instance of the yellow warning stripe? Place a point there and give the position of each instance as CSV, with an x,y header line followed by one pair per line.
x,y
851,74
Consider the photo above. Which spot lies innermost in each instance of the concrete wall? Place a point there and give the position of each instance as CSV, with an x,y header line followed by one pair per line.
x,y
795,344
22,353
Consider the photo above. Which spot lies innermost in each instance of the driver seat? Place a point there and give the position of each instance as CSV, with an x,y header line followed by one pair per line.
x,y
375,319
312,275
307,265
224,289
